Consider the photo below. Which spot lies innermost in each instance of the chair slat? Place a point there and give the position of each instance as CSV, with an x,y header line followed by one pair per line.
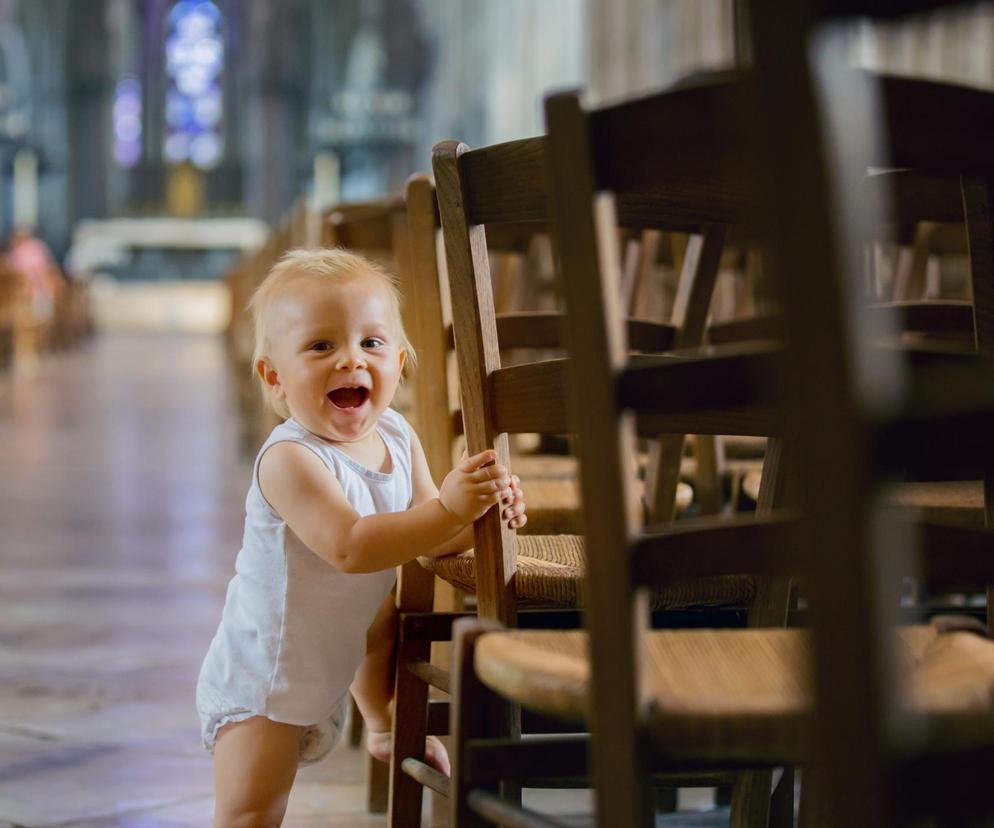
x,y
505,182
936,127
699,549
542,329
530,397
708,381
956,556
672,153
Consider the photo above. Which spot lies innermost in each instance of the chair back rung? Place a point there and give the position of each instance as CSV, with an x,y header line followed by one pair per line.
x,y
733,378
708,547
505,183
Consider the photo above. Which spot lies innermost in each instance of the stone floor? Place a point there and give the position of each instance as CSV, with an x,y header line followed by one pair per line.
x,y
121,492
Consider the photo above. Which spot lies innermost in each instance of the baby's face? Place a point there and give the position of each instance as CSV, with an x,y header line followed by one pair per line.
x,y
336,354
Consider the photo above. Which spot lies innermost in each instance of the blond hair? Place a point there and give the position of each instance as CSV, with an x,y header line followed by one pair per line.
x,y
329,265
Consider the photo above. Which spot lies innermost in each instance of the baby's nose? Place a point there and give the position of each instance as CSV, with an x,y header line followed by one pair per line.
x,y
351,358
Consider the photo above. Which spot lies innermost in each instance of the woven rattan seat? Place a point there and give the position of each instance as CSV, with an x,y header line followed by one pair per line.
x,y
544,466
554,505
953,501
550,570
741,692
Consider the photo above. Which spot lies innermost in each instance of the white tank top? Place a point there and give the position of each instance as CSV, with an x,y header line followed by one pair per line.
x,y
293,629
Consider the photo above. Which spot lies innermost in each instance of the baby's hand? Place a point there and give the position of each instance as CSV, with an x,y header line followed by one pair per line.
x,y
472,487
378,745
514,512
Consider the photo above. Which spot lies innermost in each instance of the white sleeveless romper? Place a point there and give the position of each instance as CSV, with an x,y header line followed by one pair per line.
x,y
293,628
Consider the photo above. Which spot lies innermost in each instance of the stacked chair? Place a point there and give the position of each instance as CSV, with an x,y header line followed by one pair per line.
x,y
522,332
887,720
495,188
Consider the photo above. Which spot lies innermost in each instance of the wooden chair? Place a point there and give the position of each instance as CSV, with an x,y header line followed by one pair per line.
x,y
478,189
550,479
715,697
915,197
905,769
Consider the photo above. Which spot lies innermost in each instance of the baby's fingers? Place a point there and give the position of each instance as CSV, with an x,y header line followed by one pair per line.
x,y
470,464
514,489
516,509
514,499
490,475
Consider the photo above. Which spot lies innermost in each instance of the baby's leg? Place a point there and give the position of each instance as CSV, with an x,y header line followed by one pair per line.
x,y
373,690
372,685
255,762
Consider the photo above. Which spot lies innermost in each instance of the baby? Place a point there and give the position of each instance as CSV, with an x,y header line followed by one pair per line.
x,y
340,496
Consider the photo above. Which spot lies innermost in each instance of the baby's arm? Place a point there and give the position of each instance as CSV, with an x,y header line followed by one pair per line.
x,y
310,499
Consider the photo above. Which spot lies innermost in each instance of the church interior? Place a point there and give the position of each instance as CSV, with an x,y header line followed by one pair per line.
x,y
698,285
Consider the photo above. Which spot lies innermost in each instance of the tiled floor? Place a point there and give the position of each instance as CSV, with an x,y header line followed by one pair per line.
x,y
121,492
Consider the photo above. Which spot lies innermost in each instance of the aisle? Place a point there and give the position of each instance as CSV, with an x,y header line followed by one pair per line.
x,y
121,495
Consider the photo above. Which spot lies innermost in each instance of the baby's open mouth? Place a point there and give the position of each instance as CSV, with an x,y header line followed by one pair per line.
x,y
348,397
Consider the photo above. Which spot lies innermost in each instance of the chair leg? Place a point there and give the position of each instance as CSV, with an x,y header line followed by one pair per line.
x,y
812,811
782,801
377,785
415,591
475,713
751,799
708,474
411,708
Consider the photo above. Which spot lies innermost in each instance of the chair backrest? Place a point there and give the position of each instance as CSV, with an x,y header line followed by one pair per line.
x,y
502,184
606,165
934,128
377,230
506,185
508,243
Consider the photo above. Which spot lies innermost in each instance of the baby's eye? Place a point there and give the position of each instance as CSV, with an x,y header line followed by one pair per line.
x,y
372,342
321,345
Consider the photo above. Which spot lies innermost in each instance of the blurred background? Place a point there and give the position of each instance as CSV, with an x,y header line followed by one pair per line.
x,y
146,146
146,142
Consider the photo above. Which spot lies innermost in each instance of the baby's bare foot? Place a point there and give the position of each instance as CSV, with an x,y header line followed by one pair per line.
x,y
437,756
378,745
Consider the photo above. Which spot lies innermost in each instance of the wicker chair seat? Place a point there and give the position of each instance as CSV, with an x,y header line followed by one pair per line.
x,y
953,501
554,505
544,466
550,571
958,501
743,693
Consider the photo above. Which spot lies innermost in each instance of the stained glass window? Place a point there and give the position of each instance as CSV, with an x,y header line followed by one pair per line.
x,y
194,106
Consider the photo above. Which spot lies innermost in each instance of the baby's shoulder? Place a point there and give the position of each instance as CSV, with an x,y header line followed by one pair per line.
x,y
285,442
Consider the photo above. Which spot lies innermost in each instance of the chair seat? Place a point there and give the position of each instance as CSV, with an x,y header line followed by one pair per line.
x,y
554,505
955,501
742,447
544,466
741,693
550,571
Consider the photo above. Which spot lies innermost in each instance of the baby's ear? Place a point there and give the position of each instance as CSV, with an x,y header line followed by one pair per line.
x,y
264,368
